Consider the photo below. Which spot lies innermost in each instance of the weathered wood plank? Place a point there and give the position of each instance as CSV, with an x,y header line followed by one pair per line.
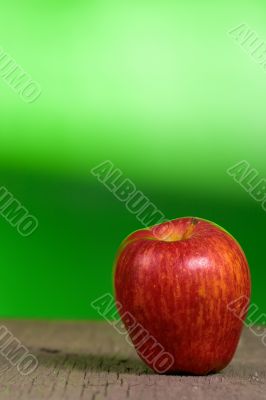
x,y
86,360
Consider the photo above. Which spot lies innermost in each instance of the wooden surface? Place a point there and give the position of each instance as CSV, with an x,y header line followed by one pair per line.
x,y
81,360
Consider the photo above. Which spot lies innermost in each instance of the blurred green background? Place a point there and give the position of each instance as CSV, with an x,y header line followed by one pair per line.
x,y
157,87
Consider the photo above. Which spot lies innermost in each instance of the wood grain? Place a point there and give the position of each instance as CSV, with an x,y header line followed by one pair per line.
x,y
90,360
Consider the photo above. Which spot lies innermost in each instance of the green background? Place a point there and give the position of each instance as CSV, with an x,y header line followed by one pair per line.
x,y
161,90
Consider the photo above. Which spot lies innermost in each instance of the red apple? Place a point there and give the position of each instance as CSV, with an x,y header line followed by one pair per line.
x,y
173,292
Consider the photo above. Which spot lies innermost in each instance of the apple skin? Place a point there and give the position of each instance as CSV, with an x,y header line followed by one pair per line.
x,y
178,287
